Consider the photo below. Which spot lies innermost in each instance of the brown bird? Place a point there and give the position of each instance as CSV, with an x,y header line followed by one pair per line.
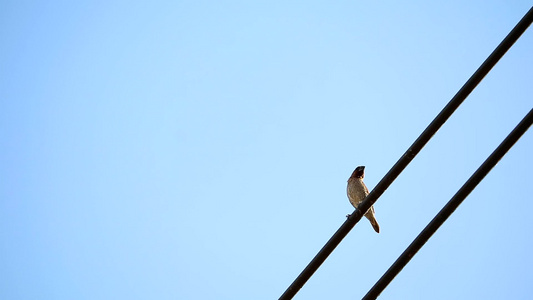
x,y
357,192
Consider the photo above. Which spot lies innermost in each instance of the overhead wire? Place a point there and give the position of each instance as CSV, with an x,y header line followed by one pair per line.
x,y
409,155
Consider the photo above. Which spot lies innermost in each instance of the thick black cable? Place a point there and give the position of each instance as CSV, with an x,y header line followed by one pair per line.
x,y
450,207
402,163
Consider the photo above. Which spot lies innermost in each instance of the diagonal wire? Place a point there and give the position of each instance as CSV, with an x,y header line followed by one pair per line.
x,y
450,207
406,158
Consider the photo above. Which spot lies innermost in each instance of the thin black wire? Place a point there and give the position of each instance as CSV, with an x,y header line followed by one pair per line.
x,y
402,163
450,207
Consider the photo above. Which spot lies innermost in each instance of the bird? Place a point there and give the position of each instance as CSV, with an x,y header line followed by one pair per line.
x,y
357,192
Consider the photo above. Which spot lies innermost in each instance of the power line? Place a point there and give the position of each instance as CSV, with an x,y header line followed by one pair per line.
x,y
408,156
450,207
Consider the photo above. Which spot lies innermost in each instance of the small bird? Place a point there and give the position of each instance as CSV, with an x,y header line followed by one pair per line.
x,y
357,192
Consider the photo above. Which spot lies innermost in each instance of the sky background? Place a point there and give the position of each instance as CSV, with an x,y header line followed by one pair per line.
x,y
200,149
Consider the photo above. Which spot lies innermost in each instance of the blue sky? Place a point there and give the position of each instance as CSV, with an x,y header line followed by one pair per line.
x,y
200,150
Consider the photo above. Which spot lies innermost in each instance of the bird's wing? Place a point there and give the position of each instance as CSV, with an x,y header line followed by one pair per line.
x,y
367,192
366,189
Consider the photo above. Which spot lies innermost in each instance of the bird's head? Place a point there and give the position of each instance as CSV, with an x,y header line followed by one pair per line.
x,y
359,172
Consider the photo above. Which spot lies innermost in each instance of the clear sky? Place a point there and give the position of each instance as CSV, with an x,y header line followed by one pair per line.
x,y
200,149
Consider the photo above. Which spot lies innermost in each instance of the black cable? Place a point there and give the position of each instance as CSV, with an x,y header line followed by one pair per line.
x,y
402,163
450,207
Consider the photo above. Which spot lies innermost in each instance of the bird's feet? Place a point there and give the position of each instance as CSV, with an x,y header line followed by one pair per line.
x,y
348,215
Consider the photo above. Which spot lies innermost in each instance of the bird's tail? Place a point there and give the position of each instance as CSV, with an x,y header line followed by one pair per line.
x,y
373,221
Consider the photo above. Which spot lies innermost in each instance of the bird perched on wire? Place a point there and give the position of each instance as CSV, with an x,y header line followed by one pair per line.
x,y
357,192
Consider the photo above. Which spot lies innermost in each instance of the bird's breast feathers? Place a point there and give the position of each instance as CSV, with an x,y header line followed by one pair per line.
x,y
357,191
